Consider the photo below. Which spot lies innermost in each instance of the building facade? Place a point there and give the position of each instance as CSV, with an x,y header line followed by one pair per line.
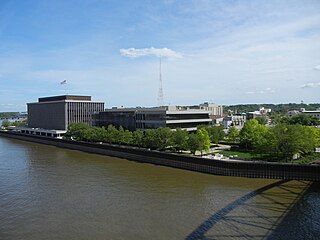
x,y
153,118
315,113
214,109
235,120
58,112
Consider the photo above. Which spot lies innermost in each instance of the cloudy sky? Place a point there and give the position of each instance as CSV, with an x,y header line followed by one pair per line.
x,y
227,52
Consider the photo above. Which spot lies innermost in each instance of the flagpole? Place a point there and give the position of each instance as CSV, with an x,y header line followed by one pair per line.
x,y
64,82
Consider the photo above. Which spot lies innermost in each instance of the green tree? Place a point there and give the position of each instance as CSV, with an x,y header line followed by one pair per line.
x,y
5,123
76,131
120,137
261,120
163,138
124,136
20,123
316,135
304,119
205,143
150,139
233,135
216,133
278,118
101,134
251,134
180,139
112,134
199,141
138,138
194,142
95,134
87,135
285,140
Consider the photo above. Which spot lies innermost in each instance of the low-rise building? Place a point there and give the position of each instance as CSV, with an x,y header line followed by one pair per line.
x,y
214,110
293,113
263,112
315,113
235,120
152,118
38,131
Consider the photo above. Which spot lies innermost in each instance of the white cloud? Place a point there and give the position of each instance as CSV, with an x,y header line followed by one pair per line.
x,y
142,52
12,107
311,85
264,91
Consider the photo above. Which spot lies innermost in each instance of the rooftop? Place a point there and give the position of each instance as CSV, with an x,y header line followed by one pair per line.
x,y
65,97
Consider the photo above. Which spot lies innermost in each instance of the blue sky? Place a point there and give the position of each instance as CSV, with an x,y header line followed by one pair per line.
x,y
227,52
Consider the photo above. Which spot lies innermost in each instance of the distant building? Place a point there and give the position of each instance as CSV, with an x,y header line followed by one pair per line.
x,y
263,112
213,109
235,120
152,118
315,113
57,112
292,113
253,115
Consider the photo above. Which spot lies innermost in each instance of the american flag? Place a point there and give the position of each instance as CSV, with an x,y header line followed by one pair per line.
x,y
63,82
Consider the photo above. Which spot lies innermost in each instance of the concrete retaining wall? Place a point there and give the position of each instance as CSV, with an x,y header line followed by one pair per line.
x,y
217,167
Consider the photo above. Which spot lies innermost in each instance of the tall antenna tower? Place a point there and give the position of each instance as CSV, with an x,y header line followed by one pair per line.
x,y
160,92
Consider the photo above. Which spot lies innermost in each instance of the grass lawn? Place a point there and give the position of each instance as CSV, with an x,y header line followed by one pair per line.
x,y
247,155
243,154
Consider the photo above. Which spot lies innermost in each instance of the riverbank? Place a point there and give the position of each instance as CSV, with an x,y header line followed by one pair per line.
x,y
193,163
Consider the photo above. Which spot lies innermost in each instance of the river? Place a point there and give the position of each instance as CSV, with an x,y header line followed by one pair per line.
x,y
53,193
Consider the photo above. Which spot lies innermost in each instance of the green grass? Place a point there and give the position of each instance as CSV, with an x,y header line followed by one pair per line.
x,y
247,155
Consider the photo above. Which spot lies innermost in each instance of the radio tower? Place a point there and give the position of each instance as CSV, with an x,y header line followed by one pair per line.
x,y
160,93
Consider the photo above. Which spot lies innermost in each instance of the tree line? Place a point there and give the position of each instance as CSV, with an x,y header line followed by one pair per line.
x,y
302,119
158,139
6,123
276,108
280,142
8,115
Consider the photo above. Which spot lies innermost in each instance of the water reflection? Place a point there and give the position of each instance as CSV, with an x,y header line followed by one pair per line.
x,y
254,215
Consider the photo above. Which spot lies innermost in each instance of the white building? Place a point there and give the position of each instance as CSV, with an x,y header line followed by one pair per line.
x,y
214,109
236,120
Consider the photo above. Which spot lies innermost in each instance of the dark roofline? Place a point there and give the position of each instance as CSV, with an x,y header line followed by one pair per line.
x,y
65,97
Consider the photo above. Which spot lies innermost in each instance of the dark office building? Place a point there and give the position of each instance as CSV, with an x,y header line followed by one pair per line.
x,y
125,118
59,111
152,118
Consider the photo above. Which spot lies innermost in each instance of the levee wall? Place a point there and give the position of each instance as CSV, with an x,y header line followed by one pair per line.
x,y
210,166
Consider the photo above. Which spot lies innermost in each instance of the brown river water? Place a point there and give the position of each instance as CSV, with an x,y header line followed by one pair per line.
x,y
53,193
